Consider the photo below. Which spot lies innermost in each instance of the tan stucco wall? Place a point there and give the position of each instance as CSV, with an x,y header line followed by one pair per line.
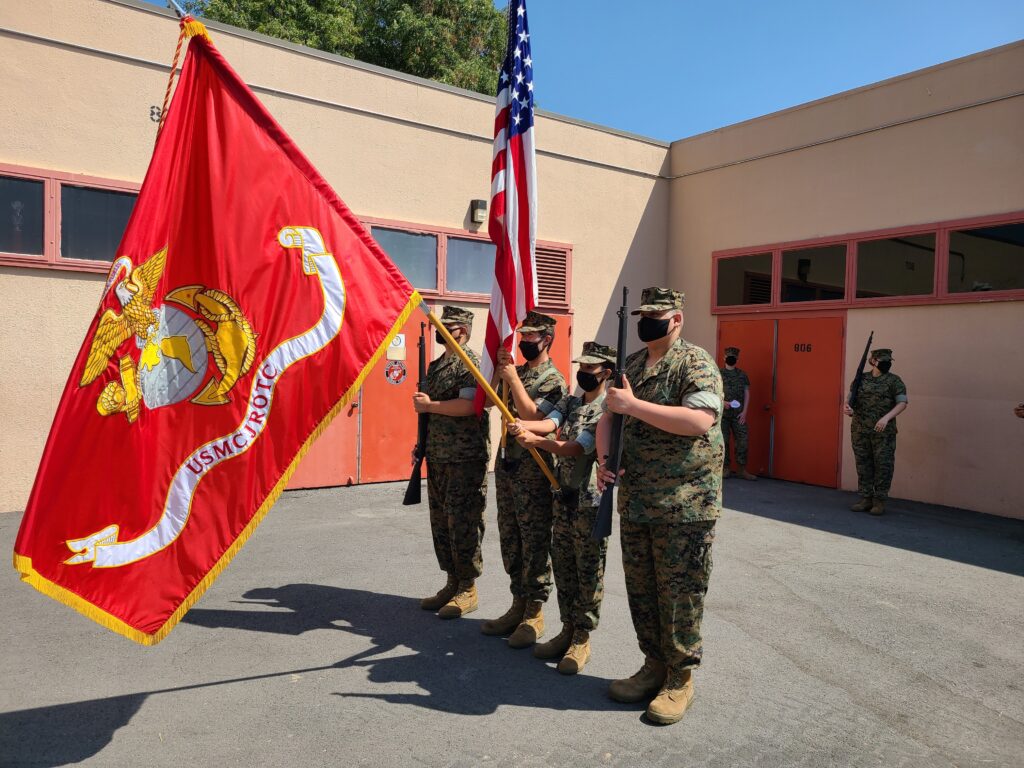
x,y
87,112
959,443
959,437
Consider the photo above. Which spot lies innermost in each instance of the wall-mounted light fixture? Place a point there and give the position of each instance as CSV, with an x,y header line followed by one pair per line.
x,y
478,211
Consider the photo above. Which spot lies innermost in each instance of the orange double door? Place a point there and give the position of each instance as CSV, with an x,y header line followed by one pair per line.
x,y
370,441
795,366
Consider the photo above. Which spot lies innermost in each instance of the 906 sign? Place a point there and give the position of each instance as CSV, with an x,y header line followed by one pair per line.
x,y
801,347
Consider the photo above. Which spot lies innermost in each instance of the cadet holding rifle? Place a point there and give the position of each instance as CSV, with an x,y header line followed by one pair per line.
x,y
577,558
457,450
876,399
670,495
523,492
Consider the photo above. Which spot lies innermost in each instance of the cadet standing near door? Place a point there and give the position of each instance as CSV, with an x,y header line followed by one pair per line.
x,y
882,397
734,417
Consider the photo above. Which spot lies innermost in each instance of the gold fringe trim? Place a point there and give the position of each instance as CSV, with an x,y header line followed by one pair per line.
x,y
28,574
193,28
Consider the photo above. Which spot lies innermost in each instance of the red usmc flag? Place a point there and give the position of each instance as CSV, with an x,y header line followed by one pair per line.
x,y
243,310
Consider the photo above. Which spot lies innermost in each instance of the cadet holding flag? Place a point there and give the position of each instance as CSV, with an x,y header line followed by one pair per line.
x,y
458,446
577,558
523,492
670,496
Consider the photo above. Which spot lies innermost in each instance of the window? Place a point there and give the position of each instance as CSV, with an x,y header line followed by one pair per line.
x,y
896,266
92,222
61,220
814,274
986,259
470,265
980,259
414,254
745,280
453,263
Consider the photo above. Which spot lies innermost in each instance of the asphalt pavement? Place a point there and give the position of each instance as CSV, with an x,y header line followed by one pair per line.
x,y
831,639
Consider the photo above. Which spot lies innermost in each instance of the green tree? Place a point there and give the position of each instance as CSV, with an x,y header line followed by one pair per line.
x,y
459,42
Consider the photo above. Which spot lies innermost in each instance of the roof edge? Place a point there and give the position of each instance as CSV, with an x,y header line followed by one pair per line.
x,y
245,34
853,91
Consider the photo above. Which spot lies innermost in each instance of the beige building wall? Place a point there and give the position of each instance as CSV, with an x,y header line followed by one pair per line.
x,y
921,148
78,79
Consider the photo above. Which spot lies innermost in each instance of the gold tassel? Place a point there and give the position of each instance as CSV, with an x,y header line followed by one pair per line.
x,y
193,28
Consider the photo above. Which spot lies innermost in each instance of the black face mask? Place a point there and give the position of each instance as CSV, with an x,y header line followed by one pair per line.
x,y
652,329
884,365
530,349
439,338
588,381
731,360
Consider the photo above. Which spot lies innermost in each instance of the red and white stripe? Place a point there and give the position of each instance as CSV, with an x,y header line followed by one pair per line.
x,y
512,227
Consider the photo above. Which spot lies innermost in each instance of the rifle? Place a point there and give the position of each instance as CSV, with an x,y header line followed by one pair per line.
x,y
412,493
855,384
603,522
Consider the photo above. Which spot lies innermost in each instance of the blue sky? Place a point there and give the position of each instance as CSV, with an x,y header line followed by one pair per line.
x,y
674,68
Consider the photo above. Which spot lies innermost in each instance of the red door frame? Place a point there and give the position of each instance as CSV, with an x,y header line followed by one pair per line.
x,y
785,315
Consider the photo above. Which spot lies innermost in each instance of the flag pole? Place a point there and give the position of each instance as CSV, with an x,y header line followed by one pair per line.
x,y
488,390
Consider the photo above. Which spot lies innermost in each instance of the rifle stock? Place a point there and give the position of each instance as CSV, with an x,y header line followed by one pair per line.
x,y
603,522
412,492
855,384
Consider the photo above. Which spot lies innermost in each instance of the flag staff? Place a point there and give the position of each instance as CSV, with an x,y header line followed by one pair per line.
x,y
177,9
486,387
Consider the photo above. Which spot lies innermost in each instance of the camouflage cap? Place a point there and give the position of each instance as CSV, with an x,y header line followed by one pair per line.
x,y
456,316
535,322
659,300
881,354
594,354
732,351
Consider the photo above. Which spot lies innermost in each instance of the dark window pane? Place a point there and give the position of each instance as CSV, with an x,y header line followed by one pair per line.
x,y
21,216
814,274
92,222
987,259
470,265
896,266
415,255
745,280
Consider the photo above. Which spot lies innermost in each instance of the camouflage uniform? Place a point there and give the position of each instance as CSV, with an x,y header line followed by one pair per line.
x,y
577,558
524,493
670,498
457,451
735,382
875,452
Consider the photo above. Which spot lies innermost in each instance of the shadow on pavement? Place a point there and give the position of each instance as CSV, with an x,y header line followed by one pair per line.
x,y
986,541
461,670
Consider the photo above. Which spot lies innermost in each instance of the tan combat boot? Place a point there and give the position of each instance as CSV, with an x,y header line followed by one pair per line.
x,y
643,685
556,646
878,508
446,593
464,601
531,628
747,475
508,621
863,505
671,702
726,473
578,655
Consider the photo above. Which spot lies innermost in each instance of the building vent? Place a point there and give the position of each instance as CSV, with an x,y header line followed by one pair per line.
x,y
757,289
552,277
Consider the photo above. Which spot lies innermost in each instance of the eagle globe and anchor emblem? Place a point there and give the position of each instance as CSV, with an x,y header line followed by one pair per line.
x,y
175,339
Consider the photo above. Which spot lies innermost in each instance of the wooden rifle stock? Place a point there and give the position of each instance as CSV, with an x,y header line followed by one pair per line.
x,y
603,522
412,492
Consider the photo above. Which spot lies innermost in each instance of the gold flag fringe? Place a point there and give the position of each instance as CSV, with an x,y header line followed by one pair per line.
x,y
29,575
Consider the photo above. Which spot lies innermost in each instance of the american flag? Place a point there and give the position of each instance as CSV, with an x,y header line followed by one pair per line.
x,y
513,219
